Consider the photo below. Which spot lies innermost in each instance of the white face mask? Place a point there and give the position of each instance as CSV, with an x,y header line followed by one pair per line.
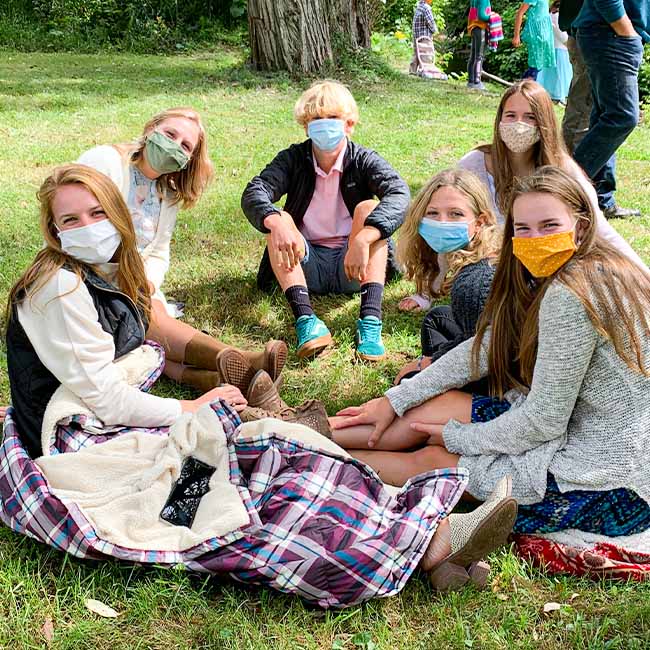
x,y
95,243
518,136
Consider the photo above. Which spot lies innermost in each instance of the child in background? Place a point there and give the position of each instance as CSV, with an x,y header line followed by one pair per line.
x,y
477,24
557,80
448,247
537,34
332,235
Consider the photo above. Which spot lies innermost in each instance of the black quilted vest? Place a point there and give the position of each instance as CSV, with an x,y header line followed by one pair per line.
x,y
32,384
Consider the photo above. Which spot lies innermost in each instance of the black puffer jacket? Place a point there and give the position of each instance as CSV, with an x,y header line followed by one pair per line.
x,y
32,384
365,175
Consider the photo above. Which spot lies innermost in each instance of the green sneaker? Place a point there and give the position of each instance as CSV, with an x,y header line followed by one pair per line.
x,y
313,336
368,339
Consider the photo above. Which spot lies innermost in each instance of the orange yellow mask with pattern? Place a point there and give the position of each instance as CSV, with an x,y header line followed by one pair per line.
x,y
544,255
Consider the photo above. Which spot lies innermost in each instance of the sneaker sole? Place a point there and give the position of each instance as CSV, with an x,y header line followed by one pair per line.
x,y
370,357
314,347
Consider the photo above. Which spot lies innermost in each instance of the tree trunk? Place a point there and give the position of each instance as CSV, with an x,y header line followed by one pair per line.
x,y
302,36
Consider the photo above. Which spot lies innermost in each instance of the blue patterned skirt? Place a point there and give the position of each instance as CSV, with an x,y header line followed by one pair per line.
x,y
610,512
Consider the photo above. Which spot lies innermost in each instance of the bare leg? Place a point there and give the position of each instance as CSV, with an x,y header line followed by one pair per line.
x,y
285,278
453,404
376,271
172,334
397,467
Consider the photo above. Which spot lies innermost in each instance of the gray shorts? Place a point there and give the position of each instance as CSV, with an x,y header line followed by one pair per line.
x,y
324,272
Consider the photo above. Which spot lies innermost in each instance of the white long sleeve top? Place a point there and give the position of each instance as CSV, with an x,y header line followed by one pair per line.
x,y
63,326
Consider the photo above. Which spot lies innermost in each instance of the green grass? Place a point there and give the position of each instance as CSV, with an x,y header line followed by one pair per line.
x,y
53,107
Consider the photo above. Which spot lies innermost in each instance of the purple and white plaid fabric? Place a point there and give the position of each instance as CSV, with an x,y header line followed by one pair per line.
x,y
321,526
423,22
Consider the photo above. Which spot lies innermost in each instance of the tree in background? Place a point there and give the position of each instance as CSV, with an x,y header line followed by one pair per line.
x,y
304,36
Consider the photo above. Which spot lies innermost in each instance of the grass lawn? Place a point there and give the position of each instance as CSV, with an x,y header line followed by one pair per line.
x,y
53,107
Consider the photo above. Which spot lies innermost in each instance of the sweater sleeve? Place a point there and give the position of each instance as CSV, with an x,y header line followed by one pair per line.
x,y
156,258
269,186
63,326
105,159
453,370
610,10
566,343
393,193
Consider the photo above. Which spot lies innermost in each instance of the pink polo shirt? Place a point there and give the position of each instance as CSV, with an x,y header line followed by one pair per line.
x,y
327,221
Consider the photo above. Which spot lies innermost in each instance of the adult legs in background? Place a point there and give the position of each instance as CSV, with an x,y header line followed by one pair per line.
x,y
575,122
612,63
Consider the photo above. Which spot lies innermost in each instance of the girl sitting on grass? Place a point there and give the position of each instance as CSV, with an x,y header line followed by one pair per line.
x,y
335,544
564,341
449,245
168,167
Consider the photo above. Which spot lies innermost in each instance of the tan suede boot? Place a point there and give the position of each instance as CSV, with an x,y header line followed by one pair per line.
x,y
272,358
202,380
310,413
262,393
202,351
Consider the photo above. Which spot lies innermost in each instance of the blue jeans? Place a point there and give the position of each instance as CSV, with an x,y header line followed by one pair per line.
x,y
613,64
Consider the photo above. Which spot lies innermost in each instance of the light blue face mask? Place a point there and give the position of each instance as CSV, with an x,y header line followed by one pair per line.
x,y
326,134
444,236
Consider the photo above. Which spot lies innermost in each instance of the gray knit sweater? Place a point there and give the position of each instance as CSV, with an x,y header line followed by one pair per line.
x,y
586,418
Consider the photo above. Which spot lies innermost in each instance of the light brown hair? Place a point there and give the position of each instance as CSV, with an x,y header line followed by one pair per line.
x,y
614,292
131,278
419,261
550,150
187,185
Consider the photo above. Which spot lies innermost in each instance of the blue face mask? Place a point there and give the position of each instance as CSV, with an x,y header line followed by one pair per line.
x,y
326,134
444,236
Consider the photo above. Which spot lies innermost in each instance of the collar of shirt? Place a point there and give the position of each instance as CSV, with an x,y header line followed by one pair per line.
x,y
336,167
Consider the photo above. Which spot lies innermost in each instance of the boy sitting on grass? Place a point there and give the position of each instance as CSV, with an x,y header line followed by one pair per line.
x,y
332,235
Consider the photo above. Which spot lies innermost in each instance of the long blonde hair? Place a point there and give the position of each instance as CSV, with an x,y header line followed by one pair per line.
x,y
550,150
419,261
187,185
614,292
131,278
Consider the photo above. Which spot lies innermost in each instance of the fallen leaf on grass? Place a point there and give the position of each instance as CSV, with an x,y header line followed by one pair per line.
x,y
101,609
551,607
573,597
502,596
48,631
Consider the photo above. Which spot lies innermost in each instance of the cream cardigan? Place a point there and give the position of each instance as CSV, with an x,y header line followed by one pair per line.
x,y
108,160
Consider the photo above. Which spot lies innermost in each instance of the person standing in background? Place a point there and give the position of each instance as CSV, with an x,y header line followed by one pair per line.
x,y
610,35
424,24
575,122
537,34
557,80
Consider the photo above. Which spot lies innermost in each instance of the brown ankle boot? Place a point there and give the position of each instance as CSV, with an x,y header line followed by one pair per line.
x,y
262,393
202,380
202,351
235,369
272,358
310,413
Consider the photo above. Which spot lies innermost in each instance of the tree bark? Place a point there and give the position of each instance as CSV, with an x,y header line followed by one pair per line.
x,y
303,36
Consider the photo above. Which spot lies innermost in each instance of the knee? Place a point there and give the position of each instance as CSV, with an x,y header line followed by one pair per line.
x,y
364,208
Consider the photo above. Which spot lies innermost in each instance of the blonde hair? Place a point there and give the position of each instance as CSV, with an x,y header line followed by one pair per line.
x,y
325,98
614,292
550,150
131,278
189,183
419,261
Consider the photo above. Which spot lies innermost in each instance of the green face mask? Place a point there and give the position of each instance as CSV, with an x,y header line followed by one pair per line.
x,y
163,154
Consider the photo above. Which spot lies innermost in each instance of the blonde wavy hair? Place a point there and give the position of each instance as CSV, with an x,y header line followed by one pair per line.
x,y
325,98
187,185
419,261
131,278
613,290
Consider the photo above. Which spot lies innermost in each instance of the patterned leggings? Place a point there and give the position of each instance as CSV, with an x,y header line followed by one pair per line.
x,y
611,512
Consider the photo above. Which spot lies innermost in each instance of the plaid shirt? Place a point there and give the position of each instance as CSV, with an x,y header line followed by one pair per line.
x,y
423,21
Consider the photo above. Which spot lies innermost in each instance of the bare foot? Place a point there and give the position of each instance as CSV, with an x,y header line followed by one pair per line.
x,y
439,547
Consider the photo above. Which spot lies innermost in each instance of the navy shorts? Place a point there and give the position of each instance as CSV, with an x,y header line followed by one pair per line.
x,y
324,272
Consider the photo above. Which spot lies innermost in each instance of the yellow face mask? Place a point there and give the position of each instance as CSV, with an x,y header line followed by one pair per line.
x,y
542,256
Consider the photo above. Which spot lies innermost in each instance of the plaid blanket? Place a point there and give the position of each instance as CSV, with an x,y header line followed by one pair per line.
x,y
322,526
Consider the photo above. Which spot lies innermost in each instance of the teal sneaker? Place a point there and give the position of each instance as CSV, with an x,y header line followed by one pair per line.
x,y
313,336
368,339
